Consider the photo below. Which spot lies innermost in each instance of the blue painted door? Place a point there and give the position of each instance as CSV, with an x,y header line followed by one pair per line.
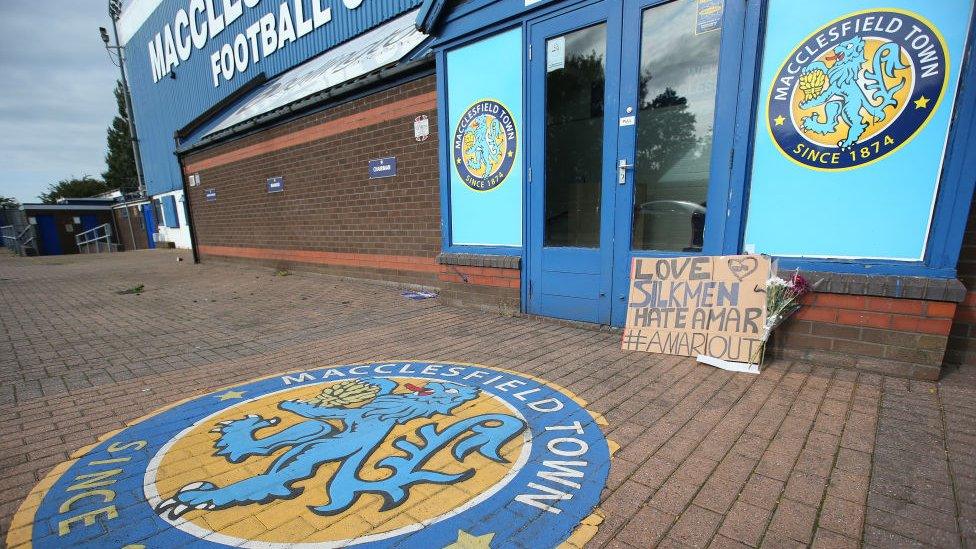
x,y
150,221
652,178
675,201
88,222
572,146
49,236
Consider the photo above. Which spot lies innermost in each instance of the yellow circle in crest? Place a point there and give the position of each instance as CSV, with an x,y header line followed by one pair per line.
x,y
191,458
874,127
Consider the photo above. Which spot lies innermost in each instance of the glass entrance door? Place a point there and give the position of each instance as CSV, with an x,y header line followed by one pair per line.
x,y
572,134
622,124
669,82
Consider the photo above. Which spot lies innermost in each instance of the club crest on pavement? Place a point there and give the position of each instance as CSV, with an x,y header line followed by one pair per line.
x,y
405,454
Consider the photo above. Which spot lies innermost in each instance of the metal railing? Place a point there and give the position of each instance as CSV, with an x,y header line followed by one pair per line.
x,y
96,240
19,242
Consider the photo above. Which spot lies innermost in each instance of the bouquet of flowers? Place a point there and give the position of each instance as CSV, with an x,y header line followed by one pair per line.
x,y
782,300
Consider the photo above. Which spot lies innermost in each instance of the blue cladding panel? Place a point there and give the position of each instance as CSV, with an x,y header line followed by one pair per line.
x,y
880,210
162,108
169,211
489,215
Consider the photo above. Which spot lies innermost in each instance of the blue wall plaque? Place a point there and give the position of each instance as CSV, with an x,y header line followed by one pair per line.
x,y
382,167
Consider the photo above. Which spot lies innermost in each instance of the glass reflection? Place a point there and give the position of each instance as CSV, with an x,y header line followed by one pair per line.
x,y
574,137
678,77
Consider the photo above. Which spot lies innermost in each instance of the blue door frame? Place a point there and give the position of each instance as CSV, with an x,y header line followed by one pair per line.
x,y
719,221
591,284
150,220
50,235
572,282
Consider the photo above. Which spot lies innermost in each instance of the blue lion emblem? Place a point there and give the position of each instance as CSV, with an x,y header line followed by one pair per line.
x,y
484,133
316,441
843,98
485,143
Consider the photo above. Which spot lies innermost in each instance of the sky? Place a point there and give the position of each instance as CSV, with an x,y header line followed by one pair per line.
x,y
57,101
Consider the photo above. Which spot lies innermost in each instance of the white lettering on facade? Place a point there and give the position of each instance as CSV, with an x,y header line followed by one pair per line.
x,y
204,20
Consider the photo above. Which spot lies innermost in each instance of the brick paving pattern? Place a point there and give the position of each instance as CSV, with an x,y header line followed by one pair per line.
x,y
800,455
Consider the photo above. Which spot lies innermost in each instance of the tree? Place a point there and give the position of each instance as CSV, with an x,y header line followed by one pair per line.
x,y
121,172
574,149
74,188
9,203
665,135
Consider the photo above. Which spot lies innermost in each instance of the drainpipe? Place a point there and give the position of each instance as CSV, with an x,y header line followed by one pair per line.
x,y
114,12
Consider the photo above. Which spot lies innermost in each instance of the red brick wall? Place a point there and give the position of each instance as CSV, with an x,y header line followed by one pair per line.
x,y
331,217
962,341
330,214
905,337
481,276
329,204
488,288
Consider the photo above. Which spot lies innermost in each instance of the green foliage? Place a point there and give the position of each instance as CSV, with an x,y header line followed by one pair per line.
x,y
133,290
74,188
9,203
665,135
121,166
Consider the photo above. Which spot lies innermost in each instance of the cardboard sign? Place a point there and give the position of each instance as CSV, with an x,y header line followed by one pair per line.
x,y
691,306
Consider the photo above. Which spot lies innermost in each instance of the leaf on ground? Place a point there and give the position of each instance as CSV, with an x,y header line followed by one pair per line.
x,y
133,290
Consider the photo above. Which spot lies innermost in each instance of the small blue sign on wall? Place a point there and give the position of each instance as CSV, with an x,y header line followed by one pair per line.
x,y
276,184
382,167
210,195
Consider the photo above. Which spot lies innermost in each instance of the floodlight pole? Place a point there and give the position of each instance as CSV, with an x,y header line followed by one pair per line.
x,y
114,9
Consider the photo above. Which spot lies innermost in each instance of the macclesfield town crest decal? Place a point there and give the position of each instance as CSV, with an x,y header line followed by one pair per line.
x,y
857,89
485,143
399,454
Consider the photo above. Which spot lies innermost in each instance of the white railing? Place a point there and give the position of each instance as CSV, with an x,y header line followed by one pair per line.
x,y
20,242
95,240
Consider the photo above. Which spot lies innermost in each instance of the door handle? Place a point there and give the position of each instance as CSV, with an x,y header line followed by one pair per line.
x,y
622,167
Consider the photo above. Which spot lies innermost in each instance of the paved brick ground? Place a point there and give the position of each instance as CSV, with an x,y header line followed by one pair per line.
x,y
799,455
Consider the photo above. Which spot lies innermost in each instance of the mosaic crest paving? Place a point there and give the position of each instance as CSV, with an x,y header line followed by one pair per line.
x,y
406,454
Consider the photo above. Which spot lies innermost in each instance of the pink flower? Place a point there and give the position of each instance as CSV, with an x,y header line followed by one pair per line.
x,y
799,284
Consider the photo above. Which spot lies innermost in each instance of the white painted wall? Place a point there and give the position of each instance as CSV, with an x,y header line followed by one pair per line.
x,y
181,235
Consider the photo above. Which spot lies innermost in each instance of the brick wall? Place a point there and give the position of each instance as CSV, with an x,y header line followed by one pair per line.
x,y
488,288
903,337
331,217
962,340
